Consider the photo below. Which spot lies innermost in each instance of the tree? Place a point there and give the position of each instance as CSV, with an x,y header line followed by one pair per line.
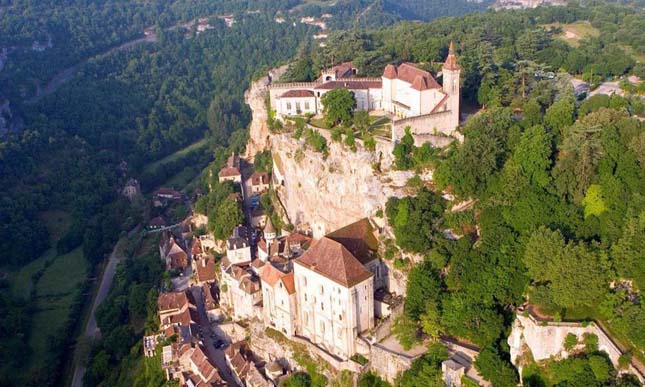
x,y
422,288
406,331
563,269
338,105
227,216
533,155
263,162
403,151
298,379
370,379
560,115
361,121
494,369
532,113
570,342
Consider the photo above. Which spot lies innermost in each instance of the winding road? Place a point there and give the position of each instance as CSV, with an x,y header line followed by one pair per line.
x,y
65,75
91,329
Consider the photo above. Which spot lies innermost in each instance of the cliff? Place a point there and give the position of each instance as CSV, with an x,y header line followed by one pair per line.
x,y
325,193
322,194
255,98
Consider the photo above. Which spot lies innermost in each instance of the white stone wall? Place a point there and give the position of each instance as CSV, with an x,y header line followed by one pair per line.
x,y
279,308
546,341
296,106
240,255
330,314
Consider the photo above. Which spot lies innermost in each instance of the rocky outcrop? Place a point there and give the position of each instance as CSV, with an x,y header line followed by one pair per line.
x,y
325,193
535,340
255,98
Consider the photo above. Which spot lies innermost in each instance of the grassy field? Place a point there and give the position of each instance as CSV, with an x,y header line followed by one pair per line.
x,y
53,298
574,32
180,153
53,292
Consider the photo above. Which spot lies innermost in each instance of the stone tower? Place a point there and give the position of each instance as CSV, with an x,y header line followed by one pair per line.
x,y
269,232
451,72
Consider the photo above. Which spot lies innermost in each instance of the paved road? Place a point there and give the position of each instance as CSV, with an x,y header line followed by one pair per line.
x,y
91,329
217,356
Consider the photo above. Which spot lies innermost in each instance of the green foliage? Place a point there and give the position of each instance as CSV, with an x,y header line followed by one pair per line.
x,y
560,115
298,379
494,369
416,220
593,201
426,370
370,379
316,140
263,162
338,105
564,268
406,331
570,342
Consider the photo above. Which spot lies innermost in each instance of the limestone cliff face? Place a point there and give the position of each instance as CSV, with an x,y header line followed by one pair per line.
x,y
324,194
255,98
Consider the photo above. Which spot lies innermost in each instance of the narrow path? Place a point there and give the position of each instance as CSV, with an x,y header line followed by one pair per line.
x,y
91,329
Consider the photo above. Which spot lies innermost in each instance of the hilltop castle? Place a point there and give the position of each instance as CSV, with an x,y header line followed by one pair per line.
x,y
410,96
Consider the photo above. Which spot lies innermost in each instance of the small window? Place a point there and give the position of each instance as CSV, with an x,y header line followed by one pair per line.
x,y
322,306
306,105
297,105
305,296
340,317
288,105
322,290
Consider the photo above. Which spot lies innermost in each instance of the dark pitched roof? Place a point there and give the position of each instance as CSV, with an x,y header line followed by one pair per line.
x,y
359,239
354,84
332,260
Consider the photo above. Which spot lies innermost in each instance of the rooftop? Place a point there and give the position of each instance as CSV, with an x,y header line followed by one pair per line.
x,y
332,260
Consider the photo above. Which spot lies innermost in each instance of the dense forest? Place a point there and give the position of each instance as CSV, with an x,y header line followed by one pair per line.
x,y
114,119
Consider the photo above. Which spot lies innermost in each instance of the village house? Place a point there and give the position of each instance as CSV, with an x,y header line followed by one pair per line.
x,y
238,247
245,366
259,182
177,315
240,290
210,293
231,171
258,217
131,189
165,195
172,253
198,369
410,95
156,223
279,303
205,269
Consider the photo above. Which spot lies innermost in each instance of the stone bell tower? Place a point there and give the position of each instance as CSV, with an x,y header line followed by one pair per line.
x,y
451,73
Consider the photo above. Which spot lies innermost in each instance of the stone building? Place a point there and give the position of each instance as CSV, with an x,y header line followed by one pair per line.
x,y
231,171
411,96
335,295
279,304
238,247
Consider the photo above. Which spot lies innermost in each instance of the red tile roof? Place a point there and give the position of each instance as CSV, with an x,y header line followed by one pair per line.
x,y
408,72
332,260
359,238
205,269
258,178
298,94
173,300
229,172
289,283
451,60
390,72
